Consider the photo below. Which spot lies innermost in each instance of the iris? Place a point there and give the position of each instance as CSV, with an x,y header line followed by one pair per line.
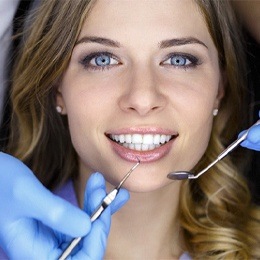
x,y
102,60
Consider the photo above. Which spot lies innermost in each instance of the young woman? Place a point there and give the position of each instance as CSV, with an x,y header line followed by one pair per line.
x,y
101,83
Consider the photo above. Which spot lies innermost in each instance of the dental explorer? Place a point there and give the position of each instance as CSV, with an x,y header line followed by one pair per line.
x,y
181,175
103,205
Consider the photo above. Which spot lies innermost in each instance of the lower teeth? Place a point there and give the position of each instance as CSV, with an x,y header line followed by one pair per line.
x,y
141,147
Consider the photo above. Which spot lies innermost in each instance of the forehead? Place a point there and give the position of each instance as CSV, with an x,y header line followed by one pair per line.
x,y
143,18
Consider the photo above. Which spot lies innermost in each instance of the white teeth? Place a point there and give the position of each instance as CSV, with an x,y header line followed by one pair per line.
x,y
148,139
138,147
156,139
137,139
168,137
163,139
116,138
121,139
128,139
131,146
141,142
145,147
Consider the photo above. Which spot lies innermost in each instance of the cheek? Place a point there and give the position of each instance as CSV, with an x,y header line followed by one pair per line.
x,y
88,109
198,111
195,130
79,110
193,103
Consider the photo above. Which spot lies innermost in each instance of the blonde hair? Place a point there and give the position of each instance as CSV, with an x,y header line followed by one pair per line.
x,y
39,136
216,213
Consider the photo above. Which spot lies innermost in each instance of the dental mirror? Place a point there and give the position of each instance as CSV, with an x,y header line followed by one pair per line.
x,y
182,175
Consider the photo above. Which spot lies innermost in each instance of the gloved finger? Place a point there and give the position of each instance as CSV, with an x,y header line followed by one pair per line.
x,y
96,191
253,138
55,212
120,200
28,239
27,197
94,244
254,135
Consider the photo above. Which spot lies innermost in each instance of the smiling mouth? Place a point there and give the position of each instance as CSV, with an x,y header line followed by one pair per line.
x,y
141,142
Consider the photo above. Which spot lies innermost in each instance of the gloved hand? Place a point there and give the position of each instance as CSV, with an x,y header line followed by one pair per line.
x,y
253,138
35,223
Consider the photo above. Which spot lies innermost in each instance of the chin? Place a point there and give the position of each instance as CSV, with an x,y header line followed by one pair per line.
x,y
144,185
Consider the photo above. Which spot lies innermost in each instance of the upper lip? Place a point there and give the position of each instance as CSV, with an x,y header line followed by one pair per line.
x,y
142,130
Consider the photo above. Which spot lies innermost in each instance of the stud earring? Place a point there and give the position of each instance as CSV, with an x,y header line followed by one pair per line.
x,y
215,112
59,109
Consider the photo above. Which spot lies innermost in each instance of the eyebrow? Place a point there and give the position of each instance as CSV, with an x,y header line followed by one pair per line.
x,y
100,40
180,41
163,44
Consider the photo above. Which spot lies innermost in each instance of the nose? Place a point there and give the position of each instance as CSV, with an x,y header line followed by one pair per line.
x,y
142,93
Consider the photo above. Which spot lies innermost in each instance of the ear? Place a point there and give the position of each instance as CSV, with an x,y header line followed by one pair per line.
x,y
221,90
60,104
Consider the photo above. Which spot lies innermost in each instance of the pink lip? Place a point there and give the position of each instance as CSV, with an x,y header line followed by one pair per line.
x,y
143,156
142,130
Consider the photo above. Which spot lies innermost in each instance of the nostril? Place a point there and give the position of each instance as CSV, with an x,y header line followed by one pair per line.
x,y
142,101
155,108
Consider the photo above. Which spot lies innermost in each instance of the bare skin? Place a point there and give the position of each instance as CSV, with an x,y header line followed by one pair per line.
x,y
139,81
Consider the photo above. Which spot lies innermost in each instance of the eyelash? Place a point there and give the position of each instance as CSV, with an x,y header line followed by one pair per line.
x,y
86,61
193,61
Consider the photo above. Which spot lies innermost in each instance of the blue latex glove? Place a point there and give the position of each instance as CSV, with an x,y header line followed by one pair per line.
x,y
253,138
35,223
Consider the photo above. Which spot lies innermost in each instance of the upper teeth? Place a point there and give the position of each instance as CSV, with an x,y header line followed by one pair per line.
x,y
146,139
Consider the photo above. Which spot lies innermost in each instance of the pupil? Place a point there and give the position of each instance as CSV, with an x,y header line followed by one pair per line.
x,y
102,60
178,61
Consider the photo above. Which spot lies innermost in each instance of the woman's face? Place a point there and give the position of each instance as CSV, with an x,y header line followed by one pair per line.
x,y
142,81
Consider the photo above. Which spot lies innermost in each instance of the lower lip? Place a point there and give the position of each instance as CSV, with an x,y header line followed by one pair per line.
x,y
143,156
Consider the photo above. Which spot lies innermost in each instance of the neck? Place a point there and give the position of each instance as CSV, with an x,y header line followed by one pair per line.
x,y
147,227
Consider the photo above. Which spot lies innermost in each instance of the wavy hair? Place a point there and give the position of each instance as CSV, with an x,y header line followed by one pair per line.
x,y
217,217
39,136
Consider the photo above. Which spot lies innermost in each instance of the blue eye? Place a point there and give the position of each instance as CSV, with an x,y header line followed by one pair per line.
x,y
181,60
99,61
